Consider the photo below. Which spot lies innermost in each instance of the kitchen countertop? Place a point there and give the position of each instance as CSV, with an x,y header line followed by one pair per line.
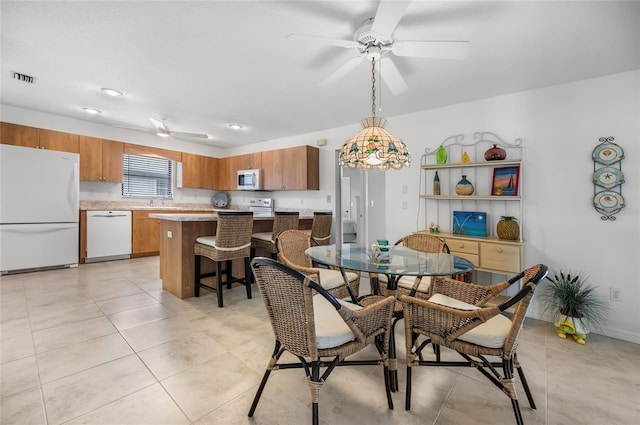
x,y
207,217
142,205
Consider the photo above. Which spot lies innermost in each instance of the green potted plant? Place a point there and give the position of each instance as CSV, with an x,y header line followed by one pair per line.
x,y
575,306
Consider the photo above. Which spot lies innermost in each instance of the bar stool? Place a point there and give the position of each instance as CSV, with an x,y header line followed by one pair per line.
x,y
321,228
283,220
232,240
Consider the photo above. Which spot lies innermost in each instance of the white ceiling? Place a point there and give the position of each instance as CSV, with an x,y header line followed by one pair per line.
x,y
204,64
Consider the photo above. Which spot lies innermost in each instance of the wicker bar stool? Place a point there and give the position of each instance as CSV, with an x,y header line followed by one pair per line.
x,y
321,228
283,220
232,240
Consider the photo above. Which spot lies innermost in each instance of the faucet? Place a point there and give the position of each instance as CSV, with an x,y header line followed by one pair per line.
x,y
151,202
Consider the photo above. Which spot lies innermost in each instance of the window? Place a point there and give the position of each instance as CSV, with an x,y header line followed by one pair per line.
x,y
146,176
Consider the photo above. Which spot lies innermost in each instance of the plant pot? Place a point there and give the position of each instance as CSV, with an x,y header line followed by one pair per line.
x,y
580,325
508,230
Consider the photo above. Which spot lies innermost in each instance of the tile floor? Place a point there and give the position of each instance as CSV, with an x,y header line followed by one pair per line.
x,y
103,344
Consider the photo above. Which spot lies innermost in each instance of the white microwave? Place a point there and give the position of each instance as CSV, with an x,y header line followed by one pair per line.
x,y
249,179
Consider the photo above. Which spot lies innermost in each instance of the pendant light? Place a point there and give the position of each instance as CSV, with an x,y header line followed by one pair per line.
x,y
374,147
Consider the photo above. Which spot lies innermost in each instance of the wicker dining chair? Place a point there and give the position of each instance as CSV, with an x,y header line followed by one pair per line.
x,y
291,246
416,286
266,241
318,329
456,316
232,241
321,227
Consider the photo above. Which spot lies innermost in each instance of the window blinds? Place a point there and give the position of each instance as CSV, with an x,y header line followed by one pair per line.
x,y
146,176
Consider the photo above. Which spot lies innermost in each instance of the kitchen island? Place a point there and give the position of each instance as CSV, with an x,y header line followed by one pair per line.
x,y
178,233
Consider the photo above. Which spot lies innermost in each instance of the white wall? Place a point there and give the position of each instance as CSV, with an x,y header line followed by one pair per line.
x,y
560,126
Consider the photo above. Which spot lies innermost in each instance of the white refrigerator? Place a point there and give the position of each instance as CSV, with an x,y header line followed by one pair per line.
x,y
39,209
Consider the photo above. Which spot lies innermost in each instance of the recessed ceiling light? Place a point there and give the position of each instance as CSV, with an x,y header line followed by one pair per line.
x,y
111,92
162,134
236,126
92,111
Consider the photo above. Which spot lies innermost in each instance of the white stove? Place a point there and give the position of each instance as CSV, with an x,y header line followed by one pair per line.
x,y
261,207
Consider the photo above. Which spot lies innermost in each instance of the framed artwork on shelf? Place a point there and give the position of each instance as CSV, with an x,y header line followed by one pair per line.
x,y
505,181
470,223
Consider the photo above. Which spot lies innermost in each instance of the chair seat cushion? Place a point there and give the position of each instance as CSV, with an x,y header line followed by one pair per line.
x,y
330,279
207,240
265,236
491,334
406,282
331,330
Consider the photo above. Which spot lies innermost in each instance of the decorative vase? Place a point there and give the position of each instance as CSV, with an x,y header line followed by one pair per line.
x,y
465,158
441,155
436,184
495,153
508,229
464,187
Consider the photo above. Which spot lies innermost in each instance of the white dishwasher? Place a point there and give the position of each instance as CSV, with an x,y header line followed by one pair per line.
x,y
108,235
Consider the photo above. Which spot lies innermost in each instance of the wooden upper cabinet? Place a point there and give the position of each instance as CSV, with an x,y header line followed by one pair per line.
x,y
59,141
226,181
291,169
30,137
19,135
209,173
199,172
248,161
191,170
100,160
112,161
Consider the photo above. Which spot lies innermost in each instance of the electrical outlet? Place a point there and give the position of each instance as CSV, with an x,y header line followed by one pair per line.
x,y
328,199
404,188
405,205
615,294
169,234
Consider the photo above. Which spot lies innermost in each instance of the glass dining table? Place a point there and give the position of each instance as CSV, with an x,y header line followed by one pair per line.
x,y
400,261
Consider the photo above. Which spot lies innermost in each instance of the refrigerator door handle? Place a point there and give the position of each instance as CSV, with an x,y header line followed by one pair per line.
x,y
74,189
45,228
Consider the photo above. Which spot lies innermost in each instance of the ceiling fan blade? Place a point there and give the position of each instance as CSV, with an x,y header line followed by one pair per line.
x,y
347,44
388,15
342,71
432,49
158,124
128,127
189,135
391,76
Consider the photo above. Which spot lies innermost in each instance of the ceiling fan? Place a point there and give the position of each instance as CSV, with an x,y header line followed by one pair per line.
x,y
374,40
163,131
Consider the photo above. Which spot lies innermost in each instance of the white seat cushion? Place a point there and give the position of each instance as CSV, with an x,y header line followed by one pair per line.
x,y
331,330
207,240
330,279
406,282
491,334
266,236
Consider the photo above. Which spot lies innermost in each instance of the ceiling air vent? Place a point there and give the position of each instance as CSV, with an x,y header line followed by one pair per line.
x,y
24,78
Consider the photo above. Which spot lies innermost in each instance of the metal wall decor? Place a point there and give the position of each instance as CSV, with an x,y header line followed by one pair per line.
x,y
607,178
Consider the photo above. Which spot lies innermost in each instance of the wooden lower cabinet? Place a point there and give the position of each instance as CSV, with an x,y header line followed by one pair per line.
x,y
145,231
488,254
